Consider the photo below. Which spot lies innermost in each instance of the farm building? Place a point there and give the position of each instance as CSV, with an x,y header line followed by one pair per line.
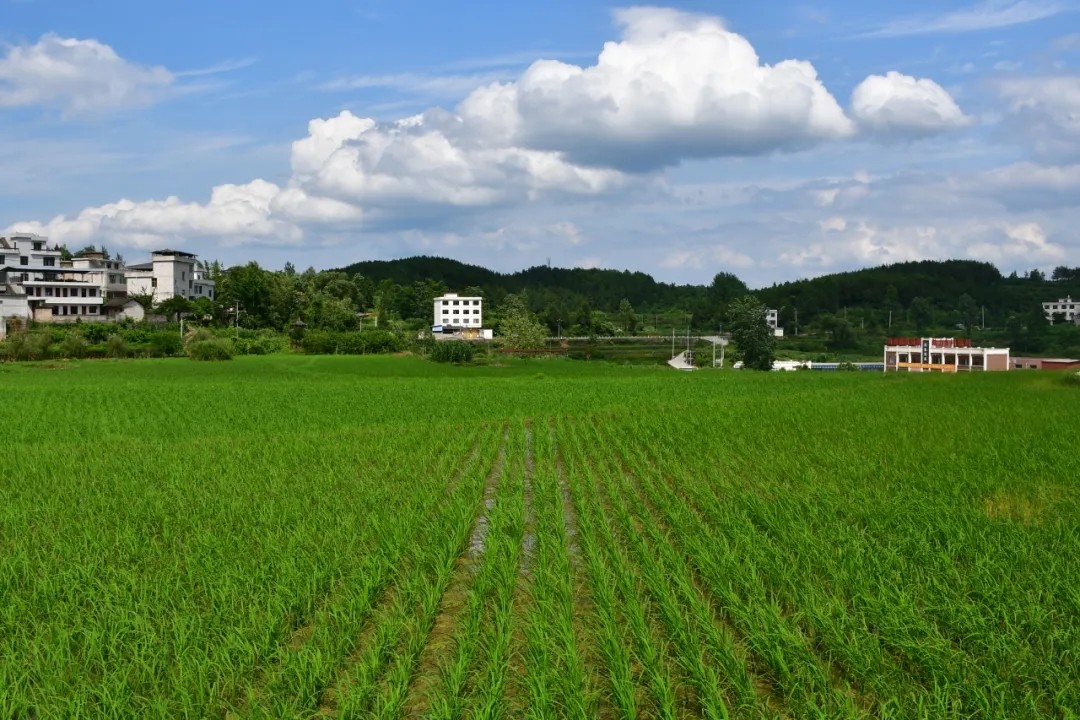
x,y
1035,363
942,355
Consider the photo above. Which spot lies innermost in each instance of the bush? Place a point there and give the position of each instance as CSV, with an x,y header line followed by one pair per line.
x,y
116,347
166,344
351,343
27,346
209,350
73,346
452,351
380,341
96,332
319,342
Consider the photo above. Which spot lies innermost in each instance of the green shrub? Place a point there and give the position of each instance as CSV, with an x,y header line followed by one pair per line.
x,y
166,344
207,350
96,332
27,346
73,346
380,341
351,343
452,351
116,347
319,342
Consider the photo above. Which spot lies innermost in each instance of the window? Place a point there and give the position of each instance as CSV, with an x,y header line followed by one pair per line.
x,y
93,292
23,260
456,302
93,309
49,262
37,246
48,292
73,310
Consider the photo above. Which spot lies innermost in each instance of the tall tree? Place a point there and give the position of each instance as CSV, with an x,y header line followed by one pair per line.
x,y
518,326
627,317
749,326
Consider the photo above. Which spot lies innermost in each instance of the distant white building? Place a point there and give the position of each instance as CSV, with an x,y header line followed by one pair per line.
x,y
168,274
454,312
772,316
1065,307
36,285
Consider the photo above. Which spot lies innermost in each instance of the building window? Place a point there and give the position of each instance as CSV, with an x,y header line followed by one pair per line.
x,y
37,246
456,302
49,262
93,292
23,260
93,309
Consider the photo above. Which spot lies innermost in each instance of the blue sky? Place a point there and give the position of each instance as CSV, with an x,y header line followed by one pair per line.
x,y
774,140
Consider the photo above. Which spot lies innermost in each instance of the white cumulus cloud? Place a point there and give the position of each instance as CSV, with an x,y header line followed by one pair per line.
x,y
901,106
75,76
676,86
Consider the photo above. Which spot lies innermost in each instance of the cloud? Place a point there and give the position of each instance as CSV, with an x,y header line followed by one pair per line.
x,y
708,257
677,86
1044,112
76,76
432,86
239,213
900,106
674,86
1021,242
987,15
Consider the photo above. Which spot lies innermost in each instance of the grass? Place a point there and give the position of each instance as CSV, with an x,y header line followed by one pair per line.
x,y
288,536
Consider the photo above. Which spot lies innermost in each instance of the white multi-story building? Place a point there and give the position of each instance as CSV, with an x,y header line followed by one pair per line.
x,y
455,311
168,274
1066,308
772,317
41,287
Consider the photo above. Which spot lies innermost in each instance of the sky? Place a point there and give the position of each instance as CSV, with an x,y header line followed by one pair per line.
x,y
775,140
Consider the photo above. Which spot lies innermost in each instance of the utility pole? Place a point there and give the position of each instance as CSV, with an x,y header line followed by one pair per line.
x,y
672,341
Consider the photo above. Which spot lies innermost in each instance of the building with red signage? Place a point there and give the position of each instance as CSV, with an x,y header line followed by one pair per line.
x,y
942,355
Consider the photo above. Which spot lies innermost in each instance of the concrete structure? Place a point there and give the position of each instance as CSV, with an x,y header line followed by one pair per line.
x,y
168,274
452,311
1064,308
1034,363
39,286
942,355
772,316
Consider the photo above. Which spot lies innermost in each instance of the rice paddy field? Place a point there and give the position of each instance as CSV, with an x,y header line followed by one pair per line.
x,y
358,537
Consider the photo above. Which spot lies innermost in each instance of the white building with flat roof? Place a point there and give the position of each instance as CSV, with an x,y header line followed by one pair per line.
x,y
39,286
453,311
168,274
772,317
948,355
1065,308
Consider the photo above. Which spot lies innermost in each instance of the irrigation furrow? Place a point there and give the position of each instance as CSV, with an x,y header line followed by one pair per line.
x,y
457,604
376,675
486,691
587,627
655,666
306,661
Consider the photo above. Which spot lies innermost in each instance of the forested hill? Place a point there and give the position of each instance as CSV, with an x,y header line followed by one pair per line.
x,y
942,292
601,289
